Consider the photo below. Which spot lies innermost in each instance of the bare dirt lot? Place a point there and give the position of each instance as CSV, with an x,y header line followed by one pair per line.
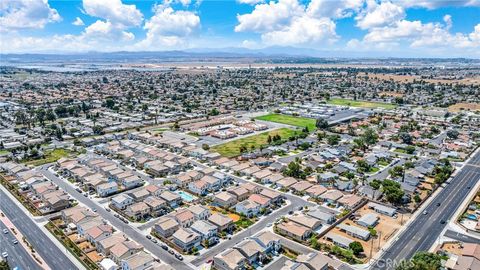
x,y
411,78
386,228
464,107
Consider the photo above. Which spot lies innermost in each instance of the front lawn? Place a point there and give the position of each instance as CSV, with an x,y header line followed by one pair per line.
x,y
361,103
289,120
232,148
244,223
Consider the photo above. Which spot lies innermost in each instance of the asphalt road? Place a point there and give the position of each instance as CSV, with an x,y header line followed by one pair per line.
x,y
17,255
295,203
128,230
53,256
422,232
461,237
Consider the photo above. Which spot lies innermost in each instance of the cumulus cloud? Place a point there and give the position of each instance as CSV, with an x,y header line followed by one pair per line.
x,y
433,4
114,11
169,28
334,9
288,22
250,2
25,14
383,14
271,16
78,22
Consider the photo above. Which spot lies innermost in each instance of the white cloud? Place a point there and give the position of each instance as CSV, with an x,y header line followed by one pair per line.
x,y
303,30
78,22
287,22
269,17
250,2
383,14
433,4
24,14
448,21
334,9
169,28
114,11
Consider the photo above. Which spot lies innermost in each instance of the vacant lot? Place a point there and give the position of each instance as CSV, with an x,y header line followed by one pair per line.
x,y
464,107
359,103
232,148
289,120
51,156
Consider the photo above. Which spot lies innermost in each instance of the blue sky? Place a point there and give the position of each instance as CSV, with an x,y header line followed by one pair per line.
x,y
370,27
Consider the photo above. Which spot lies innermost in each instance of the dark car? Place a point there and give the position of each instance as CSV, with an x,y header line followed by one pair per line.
x,y
290,212
442,222
438,204
149,237
164,246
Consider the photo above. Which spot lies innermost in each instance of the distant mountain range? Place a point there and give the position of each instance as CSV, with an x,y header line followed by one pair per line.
x,y
275,54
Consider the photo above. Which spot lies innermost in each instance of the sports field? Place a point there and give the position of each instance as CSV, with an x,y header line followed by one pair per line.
x,y
232,148
289,120
360,103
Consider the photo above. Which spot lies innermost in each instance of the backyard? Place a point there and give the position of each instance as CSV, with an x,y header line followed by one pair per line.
x,y
289,120
360,103
232,148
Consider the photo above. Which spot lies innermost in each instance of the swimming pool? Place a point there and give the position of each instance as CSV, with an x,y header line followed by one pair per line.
x,y
185,196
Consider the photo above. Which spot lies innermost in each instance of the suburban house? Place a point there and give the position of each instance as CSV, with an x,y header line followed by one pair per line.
x,y
225,199
251,250
186,239
247,208
230,259
121,201
106,189
166,226
293,230
223,222
206,230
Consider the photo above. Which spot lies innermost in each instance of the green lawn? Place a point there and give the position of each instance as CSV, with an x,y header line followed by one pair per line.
x,y
289,120
360,103
232,148
51,156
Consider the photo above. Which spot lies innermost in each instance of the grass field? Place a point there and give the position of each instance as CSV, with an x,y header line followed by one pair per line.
x,y
360,103
51,156
232,148
289,120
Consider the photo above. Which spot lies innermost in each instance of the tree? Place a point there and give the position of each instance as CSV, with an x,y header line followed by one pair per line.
x,y
109,103
205,147
321,123
406,137
269,139
360,143
333,139
356,247
410,149
452,134
375,184
396,171
98,130
370,136
50,115
422,261
392,190
293,169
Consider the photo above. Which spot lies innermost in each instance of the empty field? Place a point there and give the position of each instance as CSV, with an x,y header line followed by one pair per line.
x,y
360,103
232,148
464,107
289,120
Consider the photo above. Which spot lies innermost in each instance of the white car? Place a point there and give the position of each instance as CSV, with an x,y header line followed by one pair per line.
x,y
5,231
4,254
15,241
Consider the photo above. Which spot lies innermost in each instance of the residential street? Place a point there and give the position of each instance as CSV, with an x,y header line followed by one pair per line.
x,y
128,230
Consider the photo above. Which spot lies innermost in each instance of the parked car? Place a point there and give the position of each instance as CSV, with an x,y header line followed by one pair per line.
x,y
178,256
149,237
171,251
15,241
164,246
154,240
5,231
4,254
